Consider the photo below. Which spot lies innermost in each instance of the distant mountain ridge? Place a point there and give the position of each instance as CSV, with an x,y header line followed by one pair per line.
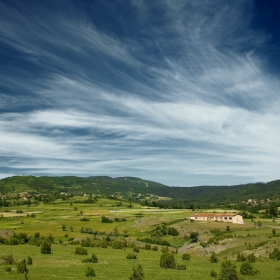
x,y
108,185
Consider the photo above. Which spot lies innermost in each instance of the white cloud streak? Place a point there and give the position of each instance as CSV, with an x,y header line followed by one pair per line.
x,y
190,103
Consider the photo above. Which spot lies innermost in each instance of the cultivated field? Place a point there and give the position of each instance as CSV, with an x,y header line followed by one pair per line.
x,y
68,223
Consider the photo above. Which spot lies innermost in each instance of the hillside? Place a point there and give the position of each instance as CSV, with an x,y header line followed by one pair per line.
x,y
107,185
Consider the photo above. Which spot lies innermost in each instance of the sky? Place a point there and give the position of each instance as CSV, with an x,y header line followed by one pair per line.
x,y
181,92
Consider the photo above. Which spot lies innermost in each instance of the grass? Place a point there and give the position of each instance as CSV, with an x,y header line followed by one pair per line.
x,y
113,264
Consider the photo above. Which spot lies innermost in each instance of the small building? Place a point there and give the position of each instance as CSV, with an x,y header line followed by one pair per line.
x,y
215,217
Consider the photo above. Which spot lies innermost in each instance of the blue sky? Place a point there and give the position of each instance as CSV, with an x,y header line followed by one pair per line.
x,y
184,93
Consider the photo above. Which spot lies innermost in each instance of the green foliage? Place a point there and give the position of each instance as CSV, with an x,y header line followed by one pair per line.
x,y
137,273
213,258
167,260
275,254
136,249
247,269
148,247
194,237
154,248
240,257
46,248
117,244
8,269
131,256
181,267
251,258
213,274
93,259
89,272
106,220
29,261
228,271
186,257
80,251
21,267
8,259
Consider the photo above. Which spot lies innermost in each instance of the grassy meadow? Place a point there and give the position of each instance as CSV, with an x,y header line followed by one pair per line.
x,y
65,221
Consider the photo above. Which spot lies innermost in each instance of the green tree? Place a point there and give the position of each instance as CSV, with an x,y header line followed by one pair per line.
x,y
22,268
228,271
275,254
137,273
167,260
46,248
247,269
213,258
186,257
89,272
29,260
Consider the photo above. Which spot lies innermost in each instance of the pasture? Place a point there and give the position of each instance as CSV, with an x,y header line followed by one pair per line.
x,y
70,222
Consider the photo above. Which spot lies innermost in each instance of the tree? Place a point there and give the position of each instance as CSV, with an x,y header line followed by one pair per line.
x,y
213,258
29,260
89,272
137,273
228,271
247,269
194,237
46,248
186,257
275,254
22,268
167,260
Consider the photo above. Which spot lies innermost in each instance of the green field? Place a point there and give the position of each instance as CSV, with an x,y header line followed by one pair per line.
x,y
64,221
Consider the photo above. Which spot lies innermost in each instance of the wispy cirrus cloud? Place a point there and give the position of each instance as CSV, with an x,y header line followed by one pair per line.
x,y
178,95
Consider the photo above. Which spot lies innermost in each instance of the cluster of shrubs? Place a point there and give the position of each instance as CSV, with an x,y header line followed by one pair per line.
x,y
164,230
154,241
21,265
23,238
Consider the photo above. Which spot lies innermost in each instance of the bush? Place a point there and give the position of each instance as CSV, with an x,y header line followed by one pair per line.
x,y
93,259
186,257
22,268
106,220
137,273
213,258
251,258
81,251
29,260
167,260
173,231
89,272
247,269
155,248
8,269
275,254
8,259
148,246
181,267
228,271
213,274
131,256
240,257
136,249
46,248
194,237
117,244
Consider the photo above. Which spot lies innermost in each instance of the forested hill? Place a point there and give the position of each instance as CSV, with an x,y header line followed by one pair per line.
x,y
107,185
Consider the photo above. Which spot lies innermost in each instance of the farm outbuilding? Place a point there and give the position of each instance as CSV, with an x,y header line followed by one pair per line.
x,y
215,217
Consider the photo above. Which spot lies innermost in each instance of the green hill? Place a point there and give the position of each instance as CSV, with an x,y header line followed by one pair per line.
x,y
123,185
